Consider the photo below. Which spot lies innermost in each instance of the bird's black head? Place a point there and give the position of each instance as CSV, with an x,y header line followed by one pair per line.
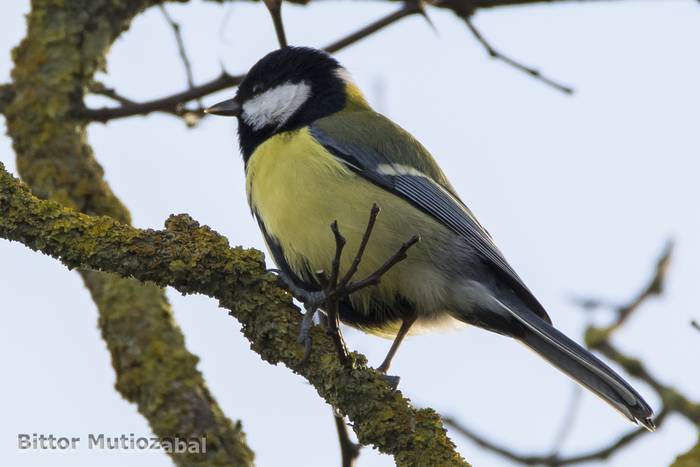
x,y
286,90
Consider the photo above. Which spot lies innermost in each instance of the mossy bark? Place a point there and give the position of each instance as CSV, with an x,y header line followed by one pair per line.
x,y
195,259
66,43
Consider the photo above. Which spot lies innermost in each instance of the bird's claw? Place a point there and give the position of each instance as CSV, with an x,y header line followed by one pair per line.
x,y
305,332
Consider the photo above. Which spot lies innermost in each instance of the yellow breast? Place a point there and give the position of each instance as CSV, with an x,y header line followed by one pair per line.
x,y
298,188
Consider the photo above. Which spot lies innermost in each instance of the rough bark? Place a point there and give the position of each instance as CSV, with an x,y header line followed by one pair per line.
x,y
66,43
195,259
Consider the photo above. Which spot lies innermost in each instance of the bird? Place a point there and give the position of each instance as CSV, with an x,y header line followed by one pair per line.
x,y
315,152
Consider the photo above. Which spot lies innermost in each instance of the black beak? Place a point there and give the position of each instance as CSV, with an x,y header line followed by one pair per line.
x,y
229,108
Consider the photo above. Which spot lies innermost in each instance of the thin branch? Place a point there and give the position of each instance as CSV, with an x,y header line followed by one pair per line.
x,y
376,276
101,89
195,259
275,9
695,324
172,103
191,117
552,460
349,451
374,212
568,421
599,339
652,288
409,8
495,54
180,46
334,290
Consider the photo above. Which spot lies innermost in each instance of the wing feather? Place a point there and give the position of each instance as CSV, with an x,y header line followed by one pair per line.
x,y
416,178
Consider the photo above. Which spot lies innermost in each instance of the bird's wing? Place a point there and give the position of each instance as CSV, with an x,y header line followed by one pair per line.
x,y
383,153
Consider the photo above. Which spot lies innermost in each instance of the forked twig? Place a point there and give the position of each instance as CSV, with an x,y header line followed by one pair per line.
x,y
374,212
334,290
174,103
180,46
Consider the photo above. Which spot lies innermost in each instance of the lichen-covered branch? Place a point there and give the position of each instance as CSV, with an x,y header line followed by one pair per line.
x,y
66,43
195,259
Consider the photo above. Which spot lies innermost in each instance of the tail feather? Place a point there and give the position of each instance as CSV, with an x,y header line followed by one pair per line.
x,y
582,366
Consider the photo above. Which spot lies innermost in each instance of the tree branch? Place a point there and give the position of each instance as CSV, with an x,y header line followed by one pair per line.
x,y
275,9
599,339
552,460
191,117
174,104
195,259
495,54
170,104
65,44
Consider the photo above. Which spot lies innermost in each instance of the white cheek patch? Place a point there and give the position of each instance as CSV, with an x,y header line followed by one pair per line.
x,y
276,105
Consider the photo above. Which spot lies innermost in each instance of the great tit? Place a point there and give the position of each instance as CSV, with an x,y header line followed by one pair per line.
x,y
315,151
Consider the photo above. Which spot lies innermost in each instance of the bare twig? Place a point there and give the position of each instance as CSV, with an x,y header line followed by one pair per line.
x,y
349,451
653,288
375,277
101,89
568,421
495,54
374,212
409,8
335,290
332,297
552,460
174,103
170,104
275,9
695,324
339,245
599,339
180,46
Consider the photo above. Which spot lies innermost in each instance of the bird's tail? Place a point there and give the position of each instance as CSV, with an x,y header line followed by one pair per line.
x,y
583,367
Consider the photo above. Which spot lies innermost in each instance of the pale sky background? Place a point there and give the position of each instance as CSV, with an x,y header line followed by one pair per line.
x,y
579,192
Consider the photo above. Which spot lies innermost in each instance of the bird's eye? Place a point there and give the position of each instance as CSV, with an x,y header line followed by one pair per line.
x,y
257,88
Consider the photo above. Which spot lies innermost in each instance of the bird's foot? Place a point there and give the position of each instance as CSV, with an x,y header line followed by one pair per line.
x,y
337,288
305,332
